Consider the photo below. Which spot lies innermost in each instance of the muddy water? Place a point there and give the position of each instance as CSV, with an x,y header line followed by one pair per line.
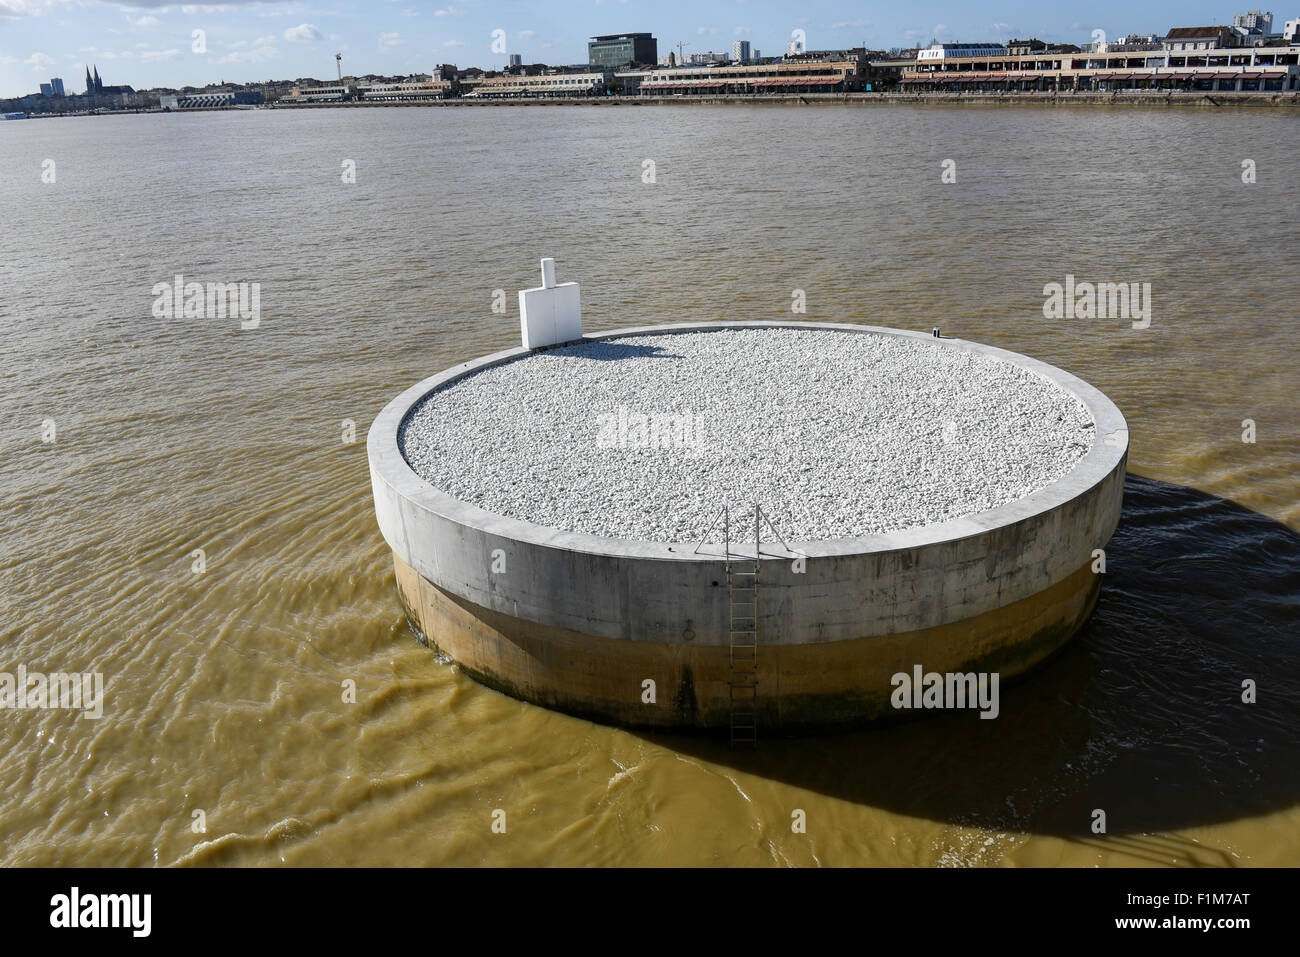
x,y
224,687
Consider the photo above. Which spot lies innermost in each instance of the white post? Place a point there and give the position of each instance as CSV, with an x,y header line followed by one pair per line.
x,y
550,314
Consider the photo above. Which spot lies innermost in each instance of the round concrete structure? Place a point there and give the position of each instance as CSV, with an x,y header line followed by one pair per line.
x,y
581,622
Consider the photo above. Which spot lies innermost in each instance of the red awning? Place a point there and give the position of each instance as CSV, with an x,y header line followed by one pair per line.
x,y
1273,74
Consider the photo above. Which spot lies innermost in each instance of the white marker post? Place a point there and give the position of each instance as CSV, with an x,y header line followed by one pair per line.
x,y
550,314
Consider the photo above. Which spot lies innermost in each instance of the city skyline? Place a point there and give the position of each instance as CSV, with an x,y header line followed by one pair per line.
x,y
149,44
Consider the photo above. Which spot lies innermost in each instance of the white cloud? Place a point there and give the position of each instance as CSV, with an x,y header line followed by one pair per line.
x,y
13,9
847,24
527,34
742,31
158,56
389,40
146,22
258,54
449,11
39,61
303,32
704,31
454,43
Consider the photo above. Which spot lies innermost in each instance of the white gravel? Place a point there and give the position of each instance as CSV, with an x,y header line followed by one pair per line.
x,y
835,434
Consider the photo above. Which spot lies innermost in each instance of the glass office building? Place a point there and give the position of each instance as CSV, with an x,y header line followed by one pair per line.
x,y
618,50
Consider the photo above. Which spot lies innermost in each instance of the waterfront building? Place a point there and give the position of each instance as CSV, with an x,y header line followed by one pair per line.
x,y
547,85
1191,59
615,51
323,93
516,59
740,51
199,101
824,72
381,90
404,91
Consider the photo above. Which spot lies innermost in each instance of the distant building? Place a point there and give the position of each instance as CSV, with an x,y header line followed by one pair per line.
x,y
516,59
1291,30
944,51
46,90
1024,47
53,88
700,59
1199,38
617,50
1254,21
794,48
740,51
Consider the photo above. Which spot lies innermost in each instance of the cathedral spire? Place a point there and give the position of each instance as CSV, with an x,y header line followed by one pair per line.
x,y
99,84
90,84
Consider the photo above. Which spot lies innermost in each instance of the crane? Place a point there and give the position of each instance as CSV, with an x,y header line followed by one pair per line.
x,y
681,44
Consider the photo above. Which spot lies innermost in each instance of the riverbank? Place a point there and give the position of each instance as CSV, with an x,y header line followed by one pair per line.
x,y
1131,98
1203,100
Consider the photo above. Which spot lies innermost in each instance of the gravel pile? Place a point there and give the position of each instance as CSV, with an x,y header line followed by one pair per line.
x,y
835,434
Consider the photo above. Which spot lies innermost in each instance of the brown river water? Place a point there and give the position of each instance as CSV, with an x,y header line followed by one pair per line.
x,y
223,686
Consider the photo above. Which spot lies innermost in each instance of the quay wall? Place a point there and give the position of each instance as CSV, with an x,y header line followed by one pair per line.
x,y
1198,100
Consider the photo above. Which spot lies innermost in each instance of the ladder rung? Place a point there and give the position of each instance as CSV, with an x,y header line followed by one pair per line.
x,y
742,609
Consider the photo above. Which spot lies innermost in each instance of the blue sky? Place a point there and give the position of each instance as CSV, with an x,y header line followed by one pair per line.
x,y
148,43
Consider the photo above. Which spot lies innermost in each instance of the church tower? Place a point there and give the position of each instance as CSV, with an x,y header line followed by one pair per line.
x,y
90,84
99,84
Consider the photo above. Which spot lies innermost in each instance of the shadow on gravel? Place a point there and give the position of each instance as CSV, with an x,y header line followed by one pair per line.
x,y
609,351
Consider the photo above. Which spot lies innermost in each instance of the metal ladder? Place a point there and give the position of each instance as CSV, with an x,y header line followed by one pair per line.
x,y
742,602
742,620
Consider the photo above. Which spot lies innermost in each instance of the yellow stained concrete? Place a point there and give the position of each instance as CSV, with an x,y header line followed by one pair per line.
x,y
799,685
